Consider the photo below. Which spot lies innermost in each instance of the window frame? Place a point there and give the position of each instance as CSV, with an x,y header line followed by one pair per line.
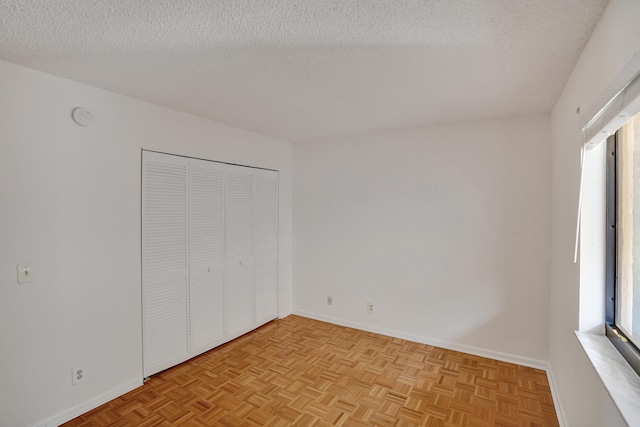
x,y
627,349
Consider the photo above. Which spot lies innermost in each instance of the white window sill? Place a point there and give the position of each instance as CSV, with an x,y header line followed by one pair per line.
x,y
620,380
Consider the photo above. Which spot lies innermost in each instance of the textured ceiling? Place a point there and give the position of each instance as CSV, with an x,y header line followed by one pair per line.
x,y
305,70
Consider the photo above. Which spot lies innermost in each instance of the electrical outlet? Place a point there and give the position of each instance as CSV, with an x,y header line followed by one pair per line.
x,y
329,300
78,376
26,273
370,306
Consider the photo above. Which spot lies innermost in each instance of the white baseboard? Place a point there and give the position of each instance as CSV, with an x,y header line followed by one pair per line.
x,y
556,401
76,411
476,351
283,314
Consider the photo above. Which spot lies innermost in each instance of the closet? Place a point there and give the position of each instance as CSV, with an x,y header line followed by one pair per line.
x,y
209,255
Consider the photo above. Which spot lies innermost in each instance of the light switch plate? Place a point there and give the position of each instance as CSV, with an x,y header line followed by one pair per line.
x,y
26,274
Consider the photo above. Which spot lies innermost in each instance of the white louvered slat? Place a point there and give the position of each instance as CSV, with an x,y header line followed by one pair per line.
x,y
266,245
206,244
164,261
266,292
239,299
266,214
239,219
206,213
165,325
207,311
164,226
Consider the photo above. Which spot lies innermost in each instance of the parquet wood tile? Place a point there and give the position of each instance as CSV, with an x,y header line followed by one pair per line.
x,y
302,372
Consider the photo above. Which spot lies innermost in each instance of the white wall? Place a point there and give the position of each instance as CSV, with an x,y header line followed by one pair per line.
x,y
70,204
446,229
577,289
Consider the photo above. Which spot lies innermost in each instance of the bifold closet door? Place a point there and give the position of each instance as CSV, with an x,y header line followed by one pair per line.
x,y
206,254
266,245
164,260
239,290
209,255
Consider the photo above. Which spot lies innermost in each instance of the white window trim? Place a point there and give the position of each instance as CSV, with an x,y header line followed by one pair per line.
x,y
619,379
619,102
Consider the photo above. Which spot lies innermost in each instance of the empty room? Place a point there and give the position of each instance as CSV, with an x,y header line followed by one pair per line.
x,y
316,213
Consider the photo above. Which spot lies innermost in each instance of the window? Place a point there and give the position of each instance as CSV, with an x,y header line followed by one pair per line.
x,y
623,240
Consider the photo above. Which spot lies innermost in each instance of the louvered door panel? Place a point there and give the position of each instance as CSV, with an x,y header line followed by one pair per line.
x,y
206,213
239,297
165,325
266,214
164,261
206,254
266,245
239,238
266,292
165,208
239,213
207,311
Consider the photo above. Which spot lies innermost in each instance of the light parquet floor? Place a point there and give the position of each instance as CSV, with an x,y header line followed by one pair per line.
x,y
302,372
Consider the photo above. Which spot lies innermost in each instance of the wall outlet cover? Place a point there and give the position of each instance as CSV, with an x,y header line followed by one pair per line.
x,y
26,274
78,376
